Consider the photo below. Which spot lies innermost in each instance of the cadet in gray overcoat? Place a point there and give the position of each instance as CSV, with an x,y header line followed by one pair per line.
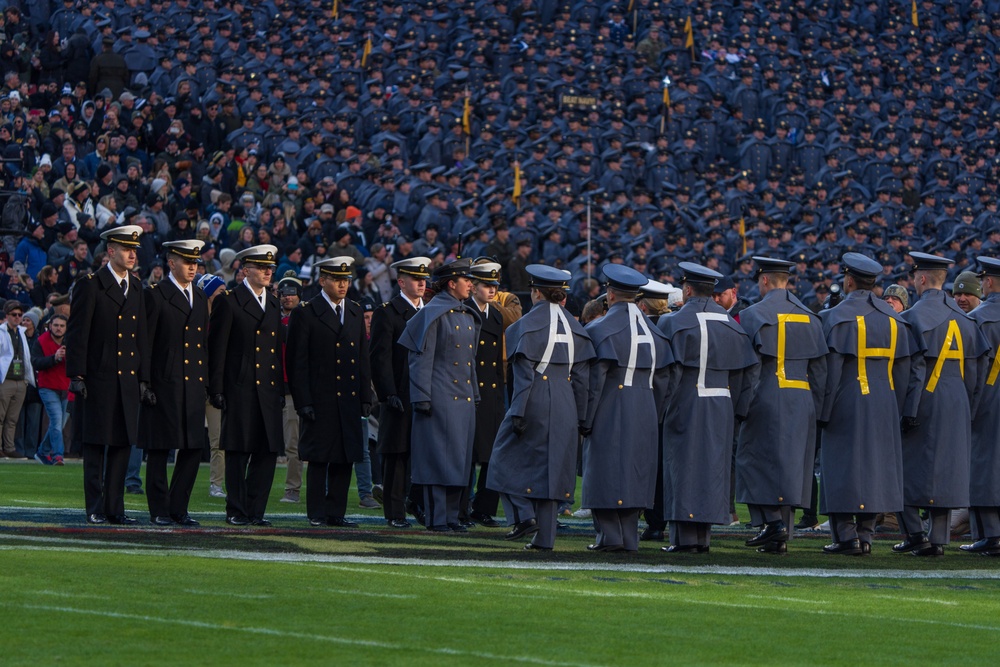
x,y
868,370
628,390
949,358
984,492
776,445
712,354
534,457
444,392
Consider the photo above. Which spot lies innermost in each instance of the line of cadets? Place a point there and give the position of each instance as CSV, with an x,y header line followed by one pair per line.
x,y
900,404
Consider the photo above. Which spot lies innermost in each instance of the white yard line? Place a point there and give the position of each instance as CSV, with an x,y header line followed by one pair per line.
x,y
327,560
274,632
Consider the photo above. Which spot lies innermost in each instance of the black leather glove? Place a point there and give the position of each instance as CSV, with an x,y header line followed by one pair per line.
x,y
907,424
396,403
366,410
584,430
423,407
307,413
218,401
77,386
146,395
519,424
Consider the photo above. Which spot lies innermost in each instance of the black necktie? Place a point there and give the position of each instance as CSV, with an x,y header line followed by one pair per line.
x,y
187,295
261,300
124,285
337,309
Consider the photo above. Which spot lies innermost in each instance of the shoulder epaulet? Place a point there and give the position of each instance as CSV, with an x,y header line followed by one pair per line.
x,y
302,304
384,304
90,276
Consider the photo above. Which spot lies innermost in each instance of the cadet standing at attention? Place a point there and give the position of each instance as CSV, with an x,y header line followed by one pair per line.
x,y
949,358
868,371
246,382
492,391
629,382
390,364
172,415
534,458
712,354
984,491
776,444
105,337
441,339
330,378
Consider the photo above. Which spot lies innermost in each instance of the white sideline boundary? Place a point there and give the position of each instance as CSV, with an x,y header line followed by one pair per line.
x,y
70,545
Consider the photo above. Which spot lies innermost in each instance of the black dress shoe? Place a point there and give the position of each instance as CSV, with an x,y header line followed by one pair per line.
x,y
776,531
929,550
439,529
774,548
237,521
458,528
316,523
134,490
912,541
651,535
519,530
531,546
399,523
187,520
866,548
341,522
417,513
606,547
122,520
845,548
485,520
468,523
685,549
982,546
263,523
96,518
161,521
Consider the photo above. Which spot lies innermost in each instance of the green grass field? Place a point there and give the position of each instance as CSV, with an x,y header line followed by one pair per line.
x,y
74,594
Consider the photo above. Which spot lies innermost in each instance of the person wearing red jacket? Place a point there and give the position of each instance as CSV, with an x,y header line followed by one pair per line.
x,y
48,357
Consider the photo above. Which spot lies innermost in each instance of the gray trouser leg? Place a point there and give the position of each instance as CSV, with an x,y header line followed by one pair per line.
x,y
546,513
940,532
609,529
517,508
684,533
865,524
985,522
842,527
909,520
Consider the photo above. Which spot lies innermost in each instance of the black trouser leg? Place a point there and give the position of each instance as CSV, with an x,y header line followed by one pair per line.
x,y
394,471
182,481
93,478
114,480
157,488
654,514
338,484
236,485
486,500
